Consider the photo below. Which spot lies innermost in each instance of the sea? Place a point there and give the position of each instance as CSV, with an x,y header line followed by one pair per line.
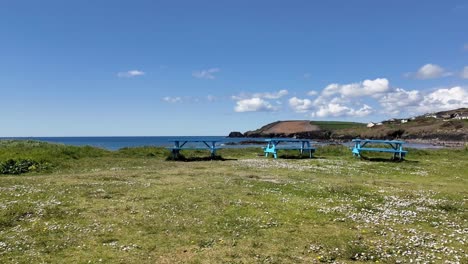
x,y
115,143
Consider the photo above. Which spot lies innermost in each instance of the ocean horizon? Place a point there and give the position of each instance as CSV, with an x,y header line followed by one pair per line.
x,y
118,142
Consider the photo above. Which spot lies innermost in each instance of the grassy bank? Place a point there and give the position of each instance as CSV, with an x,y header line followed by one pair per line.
x,y
335,125
133,206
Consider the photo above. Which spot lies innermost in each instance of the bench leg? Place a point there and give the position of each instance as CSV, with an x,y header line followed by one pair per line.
x,y
213,153
356,152
175,153
275,155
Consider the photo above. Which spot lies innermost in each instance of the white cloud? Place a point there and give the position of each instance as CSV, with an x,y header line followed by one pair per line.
x,y
241,96
444,99
464,73
324,106
336,100
265,95
258,102
359,100
312,93
429,71
206,74
129,74
334,109
254,105
274,95
190,99
400,99
365,110
417,102
365,88
446,95
300,105
172,99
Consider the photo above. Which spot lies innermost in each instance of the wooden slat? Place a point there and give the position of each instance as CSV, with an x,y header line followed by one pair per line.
x,y
383,150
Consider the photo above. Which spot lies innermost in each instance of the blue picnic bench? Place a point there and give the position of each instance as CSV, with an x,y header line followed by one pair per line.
x,y
396,147
273,145
189,144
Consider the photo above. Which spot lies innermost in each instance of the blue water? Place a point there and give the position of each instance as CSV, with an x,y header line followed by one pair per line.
x,y
115,143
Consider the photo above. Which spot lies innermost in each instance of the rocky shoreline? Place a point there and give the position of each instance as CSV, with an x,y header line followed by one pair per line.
x,y
442,143
434,142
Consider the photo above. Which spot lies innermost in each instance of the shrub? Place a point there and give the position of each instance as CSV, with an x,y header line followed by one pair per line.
x,y
20,166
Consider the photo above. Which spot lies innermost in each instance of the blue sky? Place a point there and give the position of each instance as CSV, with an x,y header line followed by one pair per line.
x,y
109,68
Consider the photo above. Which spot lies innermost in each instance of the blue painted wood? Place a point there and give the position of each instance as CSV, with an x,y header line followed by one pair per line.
x,y
285,140
377,141
200,144
396,147
272,146
383,150
292,148
193,148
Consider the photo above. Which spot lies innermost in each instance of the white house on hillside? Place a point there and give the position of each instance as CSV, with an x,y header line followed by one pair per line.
x,y
460,116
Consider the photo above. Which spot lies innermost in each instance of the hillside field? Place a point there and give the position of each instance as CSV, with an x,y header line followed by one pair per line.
x,y
335,125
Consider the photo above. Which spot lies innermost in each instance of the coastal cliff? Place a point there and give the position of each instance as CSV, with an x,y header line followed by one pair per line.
x,y
301,129
447,126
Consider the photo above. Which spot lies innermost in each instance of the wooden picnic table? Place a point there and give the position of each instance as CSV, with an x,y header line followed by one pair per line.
x,y
273,145
198,144
396,147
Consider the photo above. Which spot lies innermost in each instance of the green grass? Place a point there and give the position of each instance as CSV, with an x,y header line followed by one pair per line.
x,y
336,125
133,206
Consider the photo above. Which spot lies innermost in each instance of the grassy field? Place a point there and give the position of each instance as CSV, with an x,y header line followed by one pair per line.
x,y
335,125
86,205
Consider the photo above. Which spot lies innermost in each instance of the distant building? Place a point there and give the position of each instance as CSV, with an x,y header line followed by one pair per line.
x,y
389,121
460,116
370,125
379,124
404,121
431,116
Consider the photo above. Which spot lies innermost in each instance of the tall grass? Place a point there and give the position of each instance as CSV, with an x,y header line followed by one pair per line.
x,y
43,151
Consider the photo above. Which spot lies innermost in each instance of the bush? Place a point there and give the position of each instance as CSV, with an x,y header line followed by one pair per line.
x,y
20,166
